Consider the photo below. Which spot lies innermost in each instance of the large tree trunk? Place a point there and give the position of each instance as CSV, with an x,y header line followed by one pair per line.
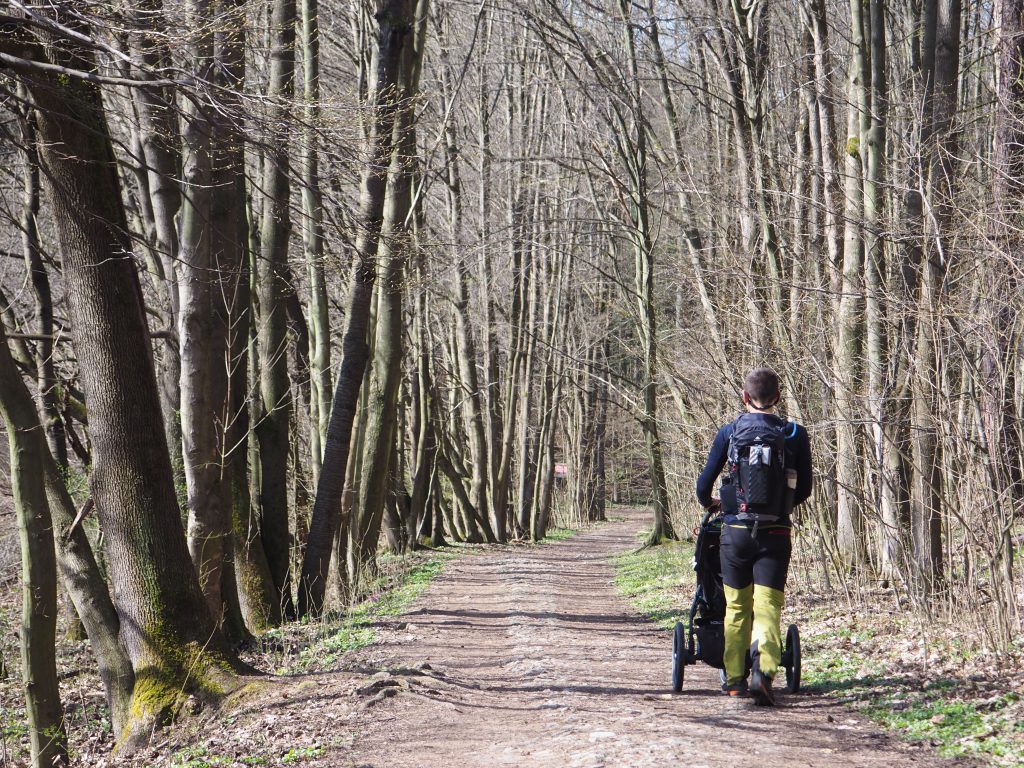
x,y
76,563
941,65
275,388
248,585
165,624
380,455
272,429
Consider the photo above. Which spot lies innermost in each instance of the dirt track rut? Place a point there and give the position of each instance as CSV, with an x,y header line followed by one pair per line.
x,y
535,660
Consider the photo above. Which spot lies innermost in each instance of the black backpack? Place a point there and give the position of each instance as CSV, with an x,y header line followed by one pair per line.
x,y
757,467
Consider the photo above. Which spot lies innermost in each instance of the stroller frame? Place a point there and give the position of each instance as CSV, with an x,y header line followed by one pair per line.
x,y
703,637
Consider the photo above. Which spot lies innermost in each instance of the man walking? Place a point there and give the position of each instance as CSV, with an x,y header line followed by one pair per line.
x,y
769,472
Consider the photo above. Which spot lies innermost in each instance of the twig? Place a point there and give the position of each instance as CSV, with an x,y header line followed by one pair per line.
x,y
85,510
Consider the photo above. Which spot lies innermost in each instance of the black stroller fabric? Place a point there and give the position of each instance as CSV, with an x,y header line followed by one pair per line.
x,y
708,611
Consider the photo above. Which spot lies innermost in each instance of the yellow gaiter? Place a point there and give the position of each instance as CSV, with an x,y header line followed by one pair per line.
x,y
739,605
767,631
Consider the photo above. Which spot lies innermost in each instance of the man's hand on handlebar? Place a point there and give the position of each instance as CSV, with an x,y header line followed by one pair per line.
x,y
716,504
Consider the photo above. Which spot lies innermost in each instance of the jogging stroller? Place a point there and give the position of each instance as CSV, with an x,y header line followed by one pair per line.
x,y
704,638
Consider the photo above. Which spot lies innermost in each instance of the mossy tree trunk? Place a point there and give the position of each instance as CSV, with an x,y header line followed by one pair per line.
x,y
76,564
165,625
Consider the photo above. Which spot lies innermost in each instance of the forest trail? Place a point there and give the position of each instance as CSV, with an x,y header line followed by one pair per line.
x,y
535,660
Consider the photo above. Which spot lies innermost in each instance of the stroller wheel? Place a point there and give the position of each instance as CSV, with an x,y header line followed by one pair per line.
x,y
791,659
678,657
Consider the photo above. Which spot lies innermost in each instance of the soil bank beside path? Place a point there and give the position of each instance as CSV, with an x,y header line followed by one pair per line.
x,y
535,660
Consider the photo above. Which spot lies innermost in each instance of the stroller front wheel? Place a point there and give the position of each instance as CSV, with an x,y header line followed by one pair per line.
x,y
678,657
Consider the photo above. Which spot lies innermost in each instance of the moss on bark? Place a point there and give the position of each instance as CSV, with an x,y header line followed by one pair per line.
x,y
183,677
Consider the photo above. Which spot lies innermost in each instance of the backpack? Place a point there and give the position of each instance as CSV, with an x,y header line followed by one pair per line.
x,y
757,467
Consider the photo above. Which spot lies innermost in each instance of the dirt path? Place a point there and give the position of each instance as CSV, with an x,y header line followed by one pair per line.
x,y
536,661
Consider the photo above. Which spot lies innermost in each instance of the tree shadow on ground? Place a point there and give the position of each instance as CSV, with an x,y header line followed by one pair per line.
x,y
861,686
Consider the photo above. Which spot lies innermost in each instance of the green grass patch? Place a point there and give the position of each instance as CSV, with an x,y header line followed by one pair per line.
x,y
878,671
559,534
955,727
865,660
658,581
199,756
293,648
415,582
301,754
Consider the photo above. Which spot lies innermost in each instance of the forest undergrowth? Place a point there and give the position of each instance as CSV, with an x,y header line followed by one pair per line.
x,y
289,652
294,653
930,683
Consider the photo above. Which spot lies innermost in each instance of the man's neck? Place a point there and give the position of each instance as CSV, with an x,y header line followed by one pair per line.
x,y
754,409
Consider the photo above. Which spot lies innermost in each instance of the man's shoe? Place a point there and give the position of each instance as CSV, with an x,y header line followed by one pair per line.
x,y
735,689
761,688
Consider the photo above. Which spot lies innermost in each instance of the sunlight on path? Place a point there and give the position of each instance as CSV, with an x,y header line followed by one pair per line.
x,y
534,660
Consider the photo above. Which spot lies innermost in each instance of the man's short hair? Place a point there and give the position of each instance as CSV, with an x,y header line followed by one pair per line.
x,y
762,386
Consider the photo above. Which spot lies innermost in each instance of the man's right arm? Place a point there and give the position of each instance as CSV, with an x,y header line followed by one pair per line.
x,y
716,460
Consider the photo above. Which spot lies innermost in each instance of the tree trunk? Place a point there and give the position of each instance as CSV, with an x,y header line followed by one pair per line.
x,y
43,709
88,591
380,456
202,346
469,378
394,26
847,366
158,135
312,237
999,377
941,65
46,371
165,624
275,389
880,383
